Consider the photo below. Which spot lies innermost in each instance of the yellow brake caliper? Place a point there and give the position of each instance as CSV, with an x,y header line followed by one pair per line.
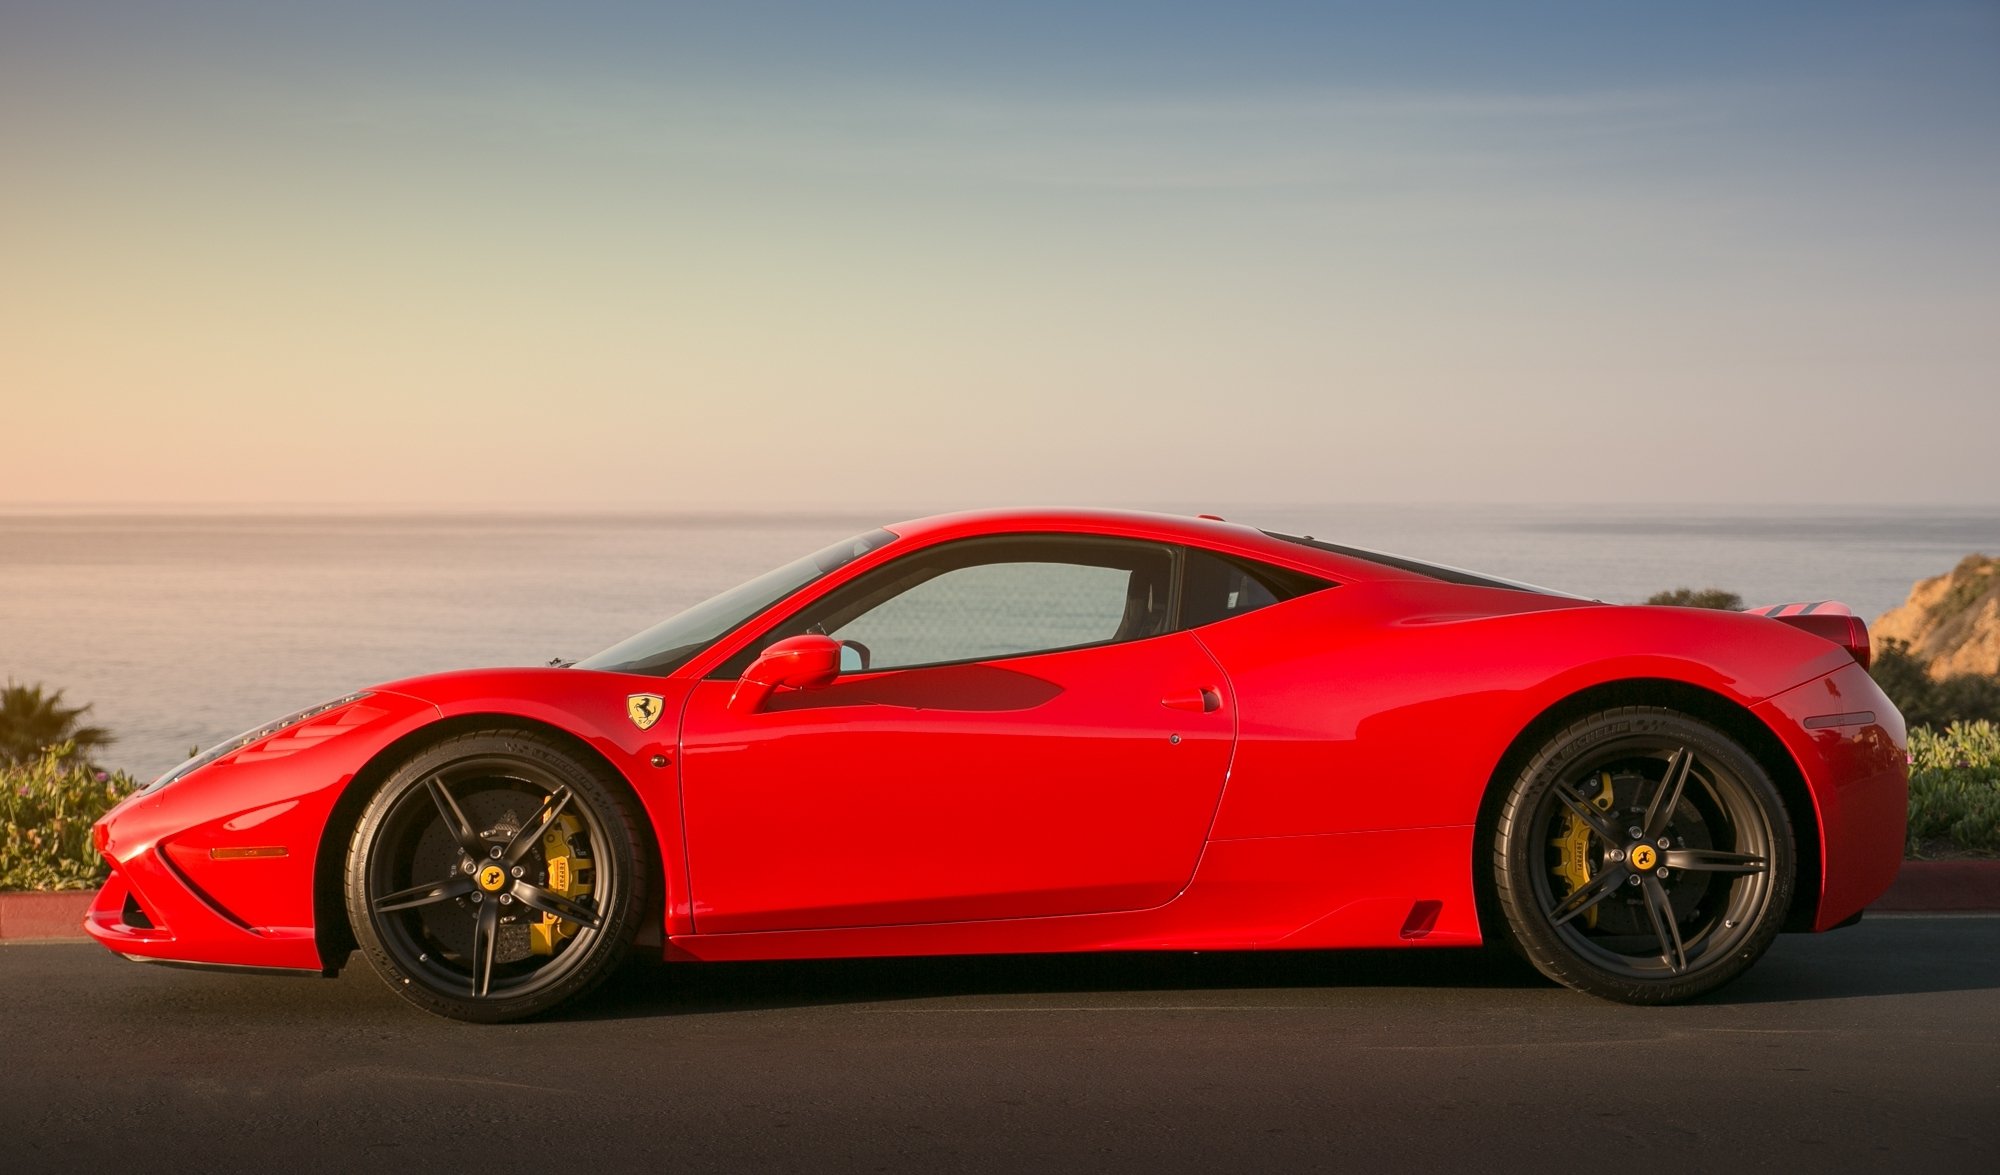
x,y
570,875
1575,844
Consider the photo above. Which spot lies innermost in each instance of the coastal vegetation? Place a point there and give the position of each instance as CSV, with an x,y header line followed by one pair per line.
x,y
1937,656
1682,597
1930,701
47,805
1955,790
51,791
33,719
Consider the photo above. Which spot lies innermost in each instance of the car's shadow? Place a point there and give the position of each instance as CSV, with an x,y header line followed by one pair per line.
x,y
1799,968
654,989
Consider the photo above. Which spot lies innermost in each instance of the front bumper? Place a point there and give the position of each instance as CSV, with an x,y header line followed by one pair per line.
x,y
220,867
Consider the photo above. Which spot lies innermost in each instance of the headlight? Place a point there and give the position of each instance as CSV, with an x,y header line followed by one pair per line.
x,y
232,745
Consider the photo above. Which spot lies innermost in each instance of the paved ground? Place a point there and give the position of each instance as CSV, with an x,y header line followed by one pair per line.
x,y
1873,1047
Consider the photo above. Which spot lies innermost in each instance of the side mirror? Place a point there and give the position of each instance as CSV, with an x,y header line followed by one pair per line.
x,y
800,662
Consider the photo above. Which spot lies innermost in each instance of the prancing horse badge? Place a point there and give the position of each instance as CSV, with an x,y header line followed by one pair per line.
x,y
643,709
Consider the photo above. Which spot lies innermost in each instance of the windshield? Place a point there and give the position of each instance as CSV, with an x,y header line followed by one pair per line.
x,y
673,642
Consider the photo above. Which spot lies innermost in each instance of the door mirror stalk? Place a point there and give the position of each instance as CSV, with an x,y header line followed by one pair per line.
x,y
798,662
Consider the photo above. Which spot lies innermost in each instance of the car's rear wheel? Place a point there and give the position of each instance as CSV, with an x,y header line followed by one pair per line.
x,y
1643,856
494,876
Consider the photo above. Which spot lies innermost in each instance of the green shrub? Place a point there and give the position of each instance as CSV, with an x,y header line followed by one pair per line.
x,y
47,806
1955,788
1682,597
1928,701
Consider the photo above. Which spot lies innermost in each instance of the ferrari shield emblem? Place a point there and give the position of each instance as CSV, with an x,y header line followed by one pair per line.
x,y
643,709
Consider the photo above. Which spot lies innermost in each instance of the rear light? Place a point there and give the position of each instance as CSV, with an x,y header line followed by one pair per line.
x,y
1849,632
1857,642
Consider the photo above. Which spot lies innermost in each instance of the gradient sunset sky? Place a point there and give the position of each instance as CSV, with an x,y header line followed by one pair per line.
x,y
661,257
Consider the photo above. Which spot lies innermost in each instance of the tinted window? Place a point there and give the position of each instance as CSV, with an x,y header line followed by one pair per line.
x,y
987,598
993,610
1215,587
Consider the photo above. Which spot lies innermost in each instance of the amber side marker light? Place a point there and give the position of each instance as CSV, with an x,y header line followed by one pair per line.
x,y
245,854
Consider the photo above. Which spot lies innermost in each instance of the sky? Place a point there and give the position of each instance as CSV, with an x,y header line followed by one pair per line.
x,y
693,257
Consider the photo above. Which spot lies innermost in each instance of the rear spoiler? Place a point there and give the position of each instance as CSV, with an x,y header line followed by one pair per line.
x,y
1829,619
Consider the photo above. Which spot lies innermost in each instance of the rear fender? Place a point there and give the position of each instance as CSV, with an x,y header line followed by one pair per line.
x,y
1401,711
1851,746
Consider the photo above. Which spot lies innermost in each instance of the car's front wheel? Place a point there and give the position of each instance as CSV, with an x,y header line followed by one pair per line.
x,y
495,875
1643,856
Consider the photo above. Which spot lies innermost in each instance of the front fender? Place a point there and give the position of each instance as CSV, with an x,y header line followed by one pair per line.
x,y
595,709
218,866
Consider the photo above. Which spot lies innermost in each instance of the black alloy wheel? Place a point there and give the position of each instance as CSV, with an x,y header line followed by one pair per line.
x,y
495,876
1643,856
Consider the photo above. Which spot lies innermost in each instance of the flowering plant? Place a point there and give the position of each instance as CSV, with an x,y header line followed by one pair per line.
x,y
47,806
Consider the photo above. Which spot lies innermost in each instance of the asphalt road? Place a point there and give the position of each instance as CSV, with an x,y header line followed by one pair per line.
x,y
1872,1047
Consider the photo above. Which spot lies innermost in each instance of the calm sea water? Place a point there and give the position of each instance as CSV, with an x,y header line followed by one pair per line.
x,y
184,629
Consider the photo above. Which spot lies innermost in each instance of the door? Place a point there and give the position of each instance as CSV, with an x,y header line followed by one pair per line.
x,y
1027,738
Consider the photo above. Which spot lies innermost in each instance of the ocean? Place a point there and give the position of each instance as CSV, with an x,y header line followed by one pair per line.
x,y
182,629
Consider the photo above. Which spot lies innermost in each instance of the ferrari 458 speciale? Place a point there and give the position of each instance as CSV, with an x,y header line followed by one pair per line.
x,y
1052,731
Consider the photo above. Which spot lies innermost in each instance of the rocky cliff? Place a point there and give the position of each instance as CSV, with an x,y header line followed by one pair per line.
x,y
1951,621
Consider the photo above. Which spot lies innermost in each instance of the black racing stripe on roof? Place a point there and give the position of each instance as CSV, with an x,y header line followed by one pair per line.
x,y
1438,571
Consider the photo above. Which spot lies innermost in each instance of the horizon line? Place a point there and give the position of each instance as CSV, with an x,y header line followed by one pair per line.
x,y
1176,506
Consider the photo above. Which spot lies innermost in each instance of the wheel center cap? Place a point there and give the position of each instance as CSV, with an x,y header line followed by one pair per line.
x,y
1643,857
492,878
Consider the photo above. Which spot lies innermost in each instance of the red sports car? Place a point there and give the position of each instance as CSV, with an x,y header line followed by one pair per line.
x,y
1052,731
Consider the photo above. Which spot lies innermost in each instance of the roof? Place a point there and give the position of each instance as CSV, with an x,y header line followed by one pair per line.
x,y
1212,533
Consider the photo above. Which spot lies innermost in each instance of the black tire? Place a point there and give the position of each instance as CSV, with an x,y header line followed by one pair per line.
x,y
1669,914
461,900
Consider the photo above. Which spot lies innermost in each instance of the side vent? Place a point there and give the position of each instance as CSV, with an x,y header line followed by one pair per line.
x,y
135,916
1423,919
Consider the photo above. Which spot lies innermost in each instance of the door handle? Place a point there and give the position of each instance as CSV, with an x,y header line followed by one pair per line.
x,y
1206,700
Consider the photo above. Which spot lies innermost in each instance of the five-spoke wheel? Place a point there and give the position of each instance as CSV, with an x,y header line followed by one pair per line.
x,y
494,876
1643,856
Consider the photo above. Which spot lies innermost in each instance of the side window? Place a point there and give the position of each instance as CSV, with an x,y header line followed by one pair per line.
x,y
1216,587
993,610
980,599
